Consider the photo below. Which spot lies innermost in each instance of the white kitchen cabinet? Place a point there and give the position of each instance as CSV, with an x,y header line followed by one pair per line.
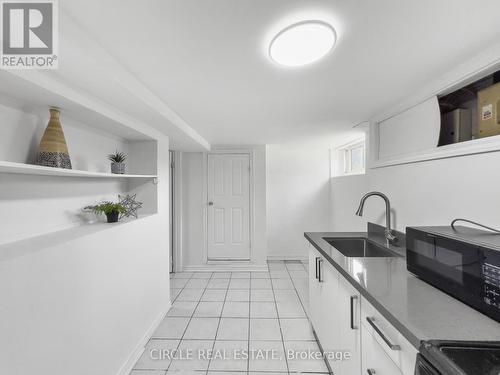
x,y
339,315
349,313
374,360
329,325
411,131
314,290
330,313
389,339
323,287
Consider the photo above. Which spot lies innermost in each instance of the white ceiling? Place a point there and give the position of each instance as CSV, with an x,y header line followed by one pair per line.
x,y
206,59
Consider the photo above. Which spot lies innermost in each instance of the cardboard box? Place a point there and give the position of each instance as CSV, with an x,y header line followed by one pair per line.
x,y
488,103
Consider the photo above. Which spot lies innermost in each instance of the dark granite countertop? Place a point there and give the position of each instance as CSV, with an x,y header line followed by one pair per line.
x,y
417,309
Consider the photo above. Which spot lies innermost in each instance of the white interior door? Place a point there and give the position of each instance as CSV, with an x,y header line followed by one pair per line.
x,y
228,219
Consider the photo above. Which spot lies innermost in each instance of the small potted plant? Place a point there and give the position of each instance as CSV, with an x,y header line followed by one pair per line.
x,y
117,162
110,209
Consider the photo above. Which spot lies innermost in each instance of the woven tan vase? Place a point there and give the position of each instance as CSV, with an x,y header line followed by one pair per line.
x,y
53,151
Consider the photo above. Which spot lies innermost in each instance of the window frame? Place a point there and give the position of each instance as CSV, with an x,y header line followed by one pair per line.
x,y
343,155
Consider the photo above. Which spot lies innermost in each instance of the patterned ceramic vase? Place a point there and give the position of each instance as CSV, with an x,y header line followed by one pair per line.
x,y
53,151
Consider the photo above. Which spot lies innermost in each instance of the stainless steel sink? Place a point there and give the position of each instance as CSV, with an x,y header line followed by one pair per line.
x,y
359,247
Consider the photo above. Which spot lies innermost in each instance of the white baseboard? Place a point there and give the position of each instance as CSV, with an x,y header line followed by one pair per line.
x,y
226,266
275,258
139,348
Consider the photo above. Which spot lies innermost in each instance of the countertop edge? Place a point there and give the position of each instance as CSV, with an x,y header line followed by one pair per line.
x,y
415,341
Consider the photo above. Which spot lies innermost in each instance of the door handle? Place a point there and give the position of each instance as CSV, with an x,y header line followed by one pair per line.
x,y
210,203
371,371
353,298
380,333
317,265
320,270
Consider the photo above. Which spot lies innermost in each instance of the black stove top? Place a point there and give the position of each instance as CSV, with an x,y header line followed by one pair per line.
x,y
474,360
462,357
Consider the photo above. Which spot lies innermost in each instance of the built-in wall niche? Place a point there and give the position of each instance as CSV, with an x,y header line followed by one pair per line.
x,y
39,201
462,118
471,112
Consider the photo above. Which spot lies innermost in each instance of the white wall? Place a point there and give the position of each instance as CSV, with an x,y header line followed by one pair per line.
x,y
298,197
192,209
81,300
81,307
427,193
346,192
194,205
302,197
260,238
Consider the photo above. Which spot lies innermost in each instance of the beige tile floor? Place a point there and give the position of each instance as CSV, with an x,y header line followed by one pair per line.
x,y
231,313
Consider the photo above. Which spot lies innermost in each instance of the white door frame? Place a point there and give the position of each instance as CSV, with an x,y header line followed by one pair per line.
x,y
171,211
226,150
177,208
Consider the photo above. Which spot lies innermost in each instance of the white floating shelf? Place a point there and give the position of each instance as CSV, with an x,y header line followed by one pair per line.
x,y
38,242
30,169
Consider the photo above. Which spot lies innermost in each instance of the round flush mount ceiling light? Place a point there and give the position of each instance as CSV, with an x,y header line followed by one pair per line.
x,y
302,43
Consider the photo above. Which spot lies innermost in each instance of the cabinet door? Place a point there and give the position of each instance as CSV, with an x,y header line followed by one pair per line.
x,y
329,327
349,320
323,288
374,360
405,356
314,290
411,131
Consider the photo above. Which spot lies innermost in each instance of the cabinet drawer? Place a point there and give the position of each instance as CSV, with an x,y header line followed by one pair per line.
x,y
402,352
374,359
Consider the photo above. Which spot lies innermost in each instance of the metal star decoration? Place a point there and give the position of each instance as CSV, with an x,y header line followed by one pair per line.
x,y
130,204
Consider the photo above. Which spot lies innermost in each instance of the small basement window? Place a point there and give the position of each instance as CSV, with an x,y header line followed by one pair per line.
x,y
350,159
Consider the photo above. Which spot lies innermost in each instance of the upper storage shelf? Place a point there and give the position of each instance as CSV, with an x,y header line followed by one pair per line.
x,y
463,118
29,169
471,111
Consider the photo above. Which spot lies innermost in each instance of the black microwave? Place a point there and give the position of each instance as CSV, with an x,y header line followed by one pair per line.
x,y
463,262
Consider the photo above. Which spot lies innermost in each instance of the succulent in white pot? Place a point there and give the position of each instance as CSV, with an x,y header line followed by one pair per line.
x,y
117,162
